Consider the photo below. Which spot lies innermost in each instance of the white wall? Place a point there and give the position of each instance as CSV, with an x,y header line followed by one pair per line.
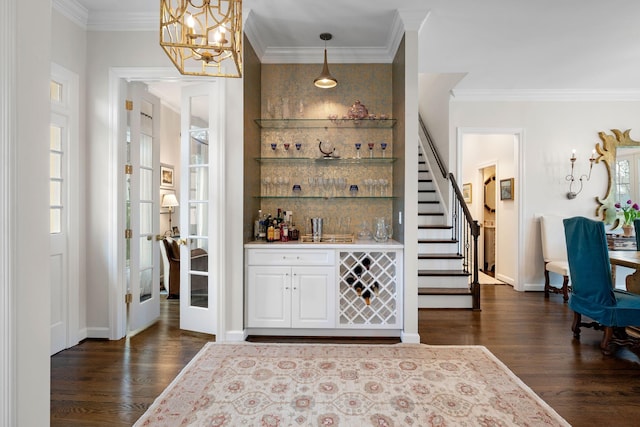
x,y
478,151
170,154
551,131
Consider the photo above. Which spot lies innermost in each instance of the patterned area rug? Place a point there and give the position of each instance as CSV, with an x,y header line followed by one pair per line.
x,y
250,384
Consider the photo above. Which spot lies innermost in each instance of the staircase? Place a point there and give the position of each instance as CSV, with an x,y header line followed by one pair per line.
x,y
442,280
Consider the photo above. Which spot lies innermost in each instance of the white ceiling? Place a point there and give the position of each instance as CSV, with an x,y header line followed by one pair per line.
x,y
579,45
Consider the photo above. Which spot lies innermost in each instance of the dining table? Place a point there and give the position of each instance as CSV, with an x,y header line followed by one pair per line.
x,y
629,259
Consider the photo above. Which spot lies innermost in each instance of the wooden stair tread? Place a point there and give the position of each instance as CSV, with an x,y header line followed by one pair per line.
x,y
443,273
439,256
437,241
431,213
444,291
435,227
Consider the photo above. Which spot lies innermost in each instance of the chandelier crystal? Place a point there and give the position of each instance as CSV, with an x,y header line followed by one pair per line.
x,y
203,37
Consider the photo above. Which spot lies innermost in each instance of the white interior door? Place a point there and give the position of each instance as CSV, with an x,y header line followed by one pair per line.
x,y
142,211
201,222
63,208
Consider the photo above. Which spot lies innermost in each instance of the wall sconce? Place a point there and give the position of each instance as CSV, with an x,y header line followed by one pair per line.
x,y
571,177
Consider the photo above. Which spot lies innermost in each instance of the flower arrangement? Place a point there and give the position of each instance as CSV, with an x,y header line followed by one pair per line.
x,y
630,211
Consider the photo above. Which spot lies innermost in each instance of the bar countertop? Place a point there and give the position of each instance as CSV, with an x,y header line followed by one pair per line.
x,y
357,245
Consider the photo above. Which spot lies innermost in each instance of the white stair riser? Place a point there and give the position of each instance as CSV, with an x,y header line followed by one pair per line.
x,y
450,282
425,186
424,175
431,209
430,219
439,264
437,248
427,197
445,301
434,233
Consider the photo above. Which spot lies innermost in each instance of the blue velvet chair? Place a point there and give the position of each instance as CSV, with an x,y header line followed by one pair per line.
x,y
636,227
592,291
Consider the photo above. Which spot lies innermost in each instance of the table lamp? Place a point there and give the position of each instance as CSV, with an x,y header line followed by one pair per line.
x,y
170,201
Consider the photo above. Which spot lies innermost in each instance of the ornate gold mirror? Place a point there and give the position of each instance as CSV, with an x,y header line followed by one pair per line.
x,y
609,150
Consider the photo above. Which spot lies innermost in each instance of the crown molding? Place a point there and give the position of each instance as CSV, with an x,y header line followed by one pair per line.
x,y
72,10
413,19
116,21
541,95
336,55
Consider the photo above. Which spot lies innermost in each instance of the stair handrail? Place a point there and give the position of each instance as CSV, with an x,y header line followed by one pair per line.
x,y
432,146
467,237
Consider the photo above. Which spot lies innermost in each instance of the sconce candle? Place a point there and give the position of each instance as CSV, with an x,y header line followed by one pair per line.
x,y
571,177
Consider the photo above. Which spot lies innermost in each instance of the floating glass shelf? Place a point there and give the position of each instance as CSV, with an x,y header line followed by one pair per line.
x,y
325,123
328,197
329,160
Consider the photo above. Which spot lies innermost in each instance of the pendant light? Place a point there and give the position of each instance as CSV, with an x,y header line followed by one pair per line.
x,y
325,80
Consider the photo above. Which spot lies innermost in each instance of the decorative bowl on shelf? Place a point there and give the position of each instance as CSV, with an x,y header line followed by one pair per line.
x,y
358,111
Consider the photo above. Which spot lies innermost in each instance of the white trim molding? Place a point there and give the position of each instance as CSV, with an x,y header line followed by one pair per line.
x,y
549,95
8,402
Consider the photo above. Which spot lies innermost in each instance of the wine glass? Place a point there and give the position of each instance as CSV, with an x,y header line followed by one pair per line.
x,y
358,145
371,145
273,147
286,146
266,181
383,145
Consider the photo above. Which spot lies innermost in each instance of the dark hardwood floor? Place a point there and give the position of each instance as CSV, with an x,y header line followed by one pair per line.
x,y
111,383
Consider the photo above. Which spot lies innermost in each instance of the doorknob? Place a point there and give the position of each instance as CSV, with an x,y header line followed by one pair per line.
x,y
182,241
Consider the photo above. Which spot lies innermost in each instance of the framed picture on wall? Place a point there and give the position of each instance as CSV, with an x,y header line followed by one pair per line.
x,y
466,193
166,176
506,189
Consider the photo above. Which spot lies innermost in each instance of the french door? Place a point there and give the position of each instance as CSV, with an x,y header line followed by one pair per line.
x,y
202,194
142,212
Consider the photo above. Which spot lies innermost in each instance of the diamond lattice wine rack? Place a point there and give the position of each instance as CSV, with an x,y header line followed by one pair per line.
x,y
369,293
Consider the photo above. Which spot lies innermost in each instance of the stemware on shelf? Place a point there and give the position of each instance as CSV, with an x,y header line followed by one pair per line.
x,y
358,145
286,146
274,146
383,145
371,145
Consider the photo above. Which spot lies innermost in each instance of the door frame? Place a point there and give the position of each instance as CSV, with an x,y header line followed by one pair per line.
x,y
71,111
520,178
118,79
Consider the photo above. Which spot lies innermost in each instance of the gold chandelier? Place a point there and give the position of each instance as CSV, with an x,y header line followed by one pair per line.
x,y
203,37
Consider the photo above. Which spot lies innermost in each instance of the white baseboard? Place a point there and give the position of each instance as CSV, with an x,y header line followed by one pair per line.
x,y
235,336
97,333
410,338
534,287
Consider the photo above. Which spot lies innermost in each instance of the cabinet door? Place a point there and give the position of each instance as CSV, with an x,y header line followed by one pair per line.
x,y
269,297
313,297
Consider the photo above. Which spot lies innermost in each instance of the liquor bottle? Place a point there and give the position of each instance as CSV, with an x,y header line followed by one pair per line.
x,y
270,233
294,233
258,232
284,232
276,230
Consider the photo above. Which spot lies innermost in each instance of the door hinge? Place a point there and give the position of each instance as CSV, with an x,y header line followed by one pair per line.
x,y
128,104
128,169
128,298
128,233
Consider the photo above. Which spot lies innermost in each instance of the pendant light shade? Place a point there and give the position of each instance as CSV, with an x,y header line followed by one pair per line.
x,y
325,80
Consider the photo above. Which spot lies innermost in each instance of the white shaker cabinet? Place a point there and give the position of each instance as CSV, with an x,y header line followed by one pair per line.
x,y
288,289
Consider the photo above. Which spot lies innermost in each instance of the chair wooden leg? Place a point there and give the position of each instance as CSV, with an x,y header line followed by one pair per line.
x,y
565,288
575,326
605,345
546,283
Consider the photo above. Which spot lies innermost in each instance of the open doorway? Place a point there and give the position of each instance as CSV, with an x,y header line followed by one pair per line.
x,y
500,243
